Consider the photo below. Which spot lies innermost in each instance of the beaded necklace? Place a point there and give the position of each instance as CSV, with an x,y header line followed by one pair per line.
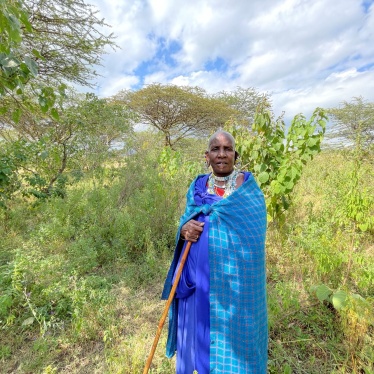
x,y
229,186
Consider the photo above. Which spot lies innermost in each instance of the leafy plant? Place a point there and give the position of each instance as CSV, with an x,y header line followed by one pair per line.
x,y
91,266
277,156
173,165
356,312
356,210
337,298
17,69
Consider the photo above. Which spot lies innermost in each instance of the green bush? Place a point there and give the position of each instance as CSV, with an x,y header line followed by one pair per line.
x,y
84,273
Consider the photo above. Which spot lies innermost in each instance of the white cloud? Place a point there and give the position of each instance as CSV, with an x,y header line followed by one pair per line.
x,y
305,53
342,75
117,83
336,88
217,82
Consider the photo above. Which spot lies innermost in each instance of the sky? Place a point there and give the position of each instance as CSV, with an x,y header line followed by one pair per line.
x,y
303,53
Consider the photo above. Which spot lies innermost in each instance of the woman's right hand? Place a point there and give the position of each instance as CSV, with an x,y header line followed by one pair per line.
x,y
192,230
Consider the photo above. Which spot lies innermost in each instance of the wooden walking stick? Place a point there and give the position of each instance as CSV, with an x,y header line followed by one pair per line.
x,y
166,309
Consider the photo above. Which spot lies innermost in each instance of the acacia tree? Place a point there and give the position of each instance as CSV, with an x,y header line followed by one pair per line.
x,y
46,43
353,129
178,112
13,17
15,71
40,149
245,101
69,39
353,122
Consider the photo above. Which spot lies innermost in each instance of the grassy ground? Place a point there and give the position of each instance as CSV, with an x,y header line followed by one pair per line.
x,y
81,278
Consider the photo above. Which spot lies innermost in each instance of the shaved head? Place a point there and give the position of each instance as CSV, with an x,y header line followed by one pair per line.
x,y
226,134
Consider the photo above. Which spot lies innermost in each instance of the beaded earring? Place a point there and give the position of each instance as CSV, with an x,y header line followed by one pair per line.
x,y
238,163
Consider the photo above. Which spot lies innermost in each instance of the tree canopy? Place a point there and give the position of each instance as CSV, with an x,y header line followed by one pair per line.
x,y
178,112
68,37
353,121
246,102
44,44
40,149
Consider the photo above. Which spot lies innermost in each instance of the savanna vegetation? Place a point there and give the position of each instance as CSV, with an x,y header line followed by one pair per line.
x,y
89,209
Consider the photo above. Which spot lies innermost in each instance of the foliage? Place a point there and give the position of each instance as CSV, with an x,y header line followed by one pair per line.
x,y
46,280
173,165
45,44
355,211
337,298
307,335
14,73
34,168
81,277
356,312
95,125
9,161
352,121
277,157
69,38
336,251
177,112
245,101
51,149
18,69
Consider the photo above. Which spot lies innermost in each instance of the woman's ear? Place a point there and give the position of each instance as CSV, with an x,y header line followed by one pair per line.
x,y
237,155
207,162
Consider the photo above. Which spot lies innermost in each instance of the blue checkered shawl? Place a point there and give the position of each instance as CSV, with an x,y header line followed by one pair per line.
x,y
238,313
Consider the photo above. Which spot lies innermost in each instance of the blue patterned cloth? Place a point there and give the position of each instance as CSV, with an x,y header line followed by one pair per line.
x,y
237,290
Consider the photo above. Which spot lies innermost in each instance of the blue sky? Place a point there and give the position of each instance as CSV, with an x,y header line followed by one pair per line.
x,y
304,53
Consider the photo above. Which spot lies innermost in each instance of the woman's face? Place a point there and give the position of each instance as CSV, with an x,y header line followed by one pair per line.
x,y
221,155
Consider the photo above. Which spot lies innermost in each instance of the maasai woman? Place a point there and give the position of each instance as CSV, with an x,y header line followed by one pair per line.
x,y
218,319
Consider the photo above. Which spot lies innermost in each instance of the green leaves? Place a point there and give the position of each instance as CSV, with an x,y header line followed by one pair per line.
x,y
18,70
8,61
32,66
323,292
16,115
10,22
28,321
47,99
356,211
352,124
177,112
9,161
263,177
37,54
276,156
338,299
54,114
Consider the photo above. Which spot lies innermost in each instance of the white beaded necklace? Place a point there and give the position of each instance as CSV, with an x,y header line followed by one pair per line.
x,y
229,186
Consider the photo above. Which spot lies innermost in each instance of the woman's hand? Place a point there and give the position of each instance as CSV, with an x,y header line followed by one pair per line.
x,y
192,230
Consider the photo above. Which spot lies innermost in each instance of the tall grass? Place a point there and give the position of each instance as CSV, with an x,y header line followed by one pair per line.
x,y
81,277
310,250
